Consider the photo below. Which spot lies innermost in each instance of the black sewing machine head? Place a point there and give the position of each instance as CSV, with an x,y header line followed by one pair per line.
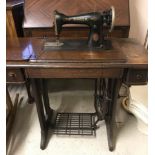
x,y
96,21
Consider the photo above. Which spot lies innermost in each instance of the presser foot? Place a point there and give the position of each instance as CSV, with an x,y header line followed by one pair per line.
x,y
53,44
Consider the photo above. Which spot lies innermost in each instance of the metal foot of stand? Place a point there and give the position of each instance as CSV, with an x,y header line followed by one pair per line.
x,y
106,93
111,135
43,140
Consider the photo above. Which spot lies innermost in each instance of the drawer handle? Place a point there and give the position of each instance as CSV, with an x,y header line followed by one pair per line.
x,y
139,76
12,74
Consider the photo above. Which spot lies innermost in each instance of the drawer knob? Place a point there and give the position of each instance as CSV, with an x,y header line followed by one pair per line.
x,y
12,74
139,76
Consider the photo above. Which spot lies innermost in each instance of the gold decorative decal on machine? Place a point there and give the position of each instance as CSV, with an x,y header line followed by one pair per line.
x,y
96,21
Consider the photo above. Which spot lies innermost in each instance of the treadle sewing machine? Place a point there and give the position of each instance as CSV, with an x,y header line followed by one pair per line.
x,y
95,42
95,21
110,62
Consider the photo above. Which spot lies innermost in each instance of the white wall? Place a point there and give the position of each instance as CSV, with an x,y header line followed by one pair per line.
x,y
138,20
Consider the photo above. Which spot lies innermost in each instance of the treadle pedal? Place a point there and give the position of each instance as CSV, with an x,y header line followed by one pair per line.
x,y
75,124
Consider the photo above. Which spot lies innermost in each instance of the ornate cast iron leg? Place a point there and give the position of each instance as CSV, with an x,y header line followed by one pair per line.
x,y
101,98
40,111
30,98
48,110
110,117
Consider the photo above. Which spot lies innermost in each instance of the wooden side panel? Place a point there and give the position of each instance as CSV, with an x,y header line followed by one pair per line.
x,y
10,25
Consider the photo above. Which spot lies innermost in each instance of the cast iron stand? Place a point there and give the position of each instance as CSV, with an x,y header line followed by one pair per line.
x,y
44,111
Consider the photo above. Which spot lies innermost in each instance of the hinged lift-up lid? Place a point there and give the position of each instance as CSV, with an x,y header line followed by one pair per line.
x,y
39,13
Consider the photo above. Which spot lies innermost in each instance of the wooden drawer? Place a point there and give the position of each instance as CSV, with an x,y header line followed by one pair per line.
x,y
73,73
14,76
136,76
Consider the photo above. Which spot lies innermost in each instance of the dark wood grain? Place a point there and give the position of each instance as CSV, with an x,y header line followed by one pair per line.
x,y
129,50
39,17
19,47
74,73
136,77
14,75
40,13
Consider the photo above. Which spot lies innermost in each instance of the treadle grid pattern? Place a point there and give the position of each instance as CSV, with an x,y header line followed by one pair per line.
x,y
74,124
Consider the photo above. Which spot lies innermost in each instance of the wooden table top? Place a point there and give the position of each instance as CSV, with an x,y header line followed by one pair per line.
x,y
28,52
